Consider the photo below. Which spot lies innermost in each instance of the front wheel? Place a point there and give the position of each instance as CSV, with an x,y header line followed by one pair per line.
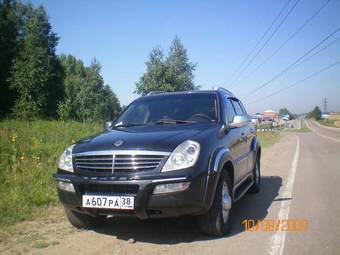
x,y
80,220
217,221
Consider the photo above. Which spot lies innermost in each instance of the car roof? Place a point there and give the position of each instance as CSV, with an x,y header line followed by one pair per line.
x,y
213,91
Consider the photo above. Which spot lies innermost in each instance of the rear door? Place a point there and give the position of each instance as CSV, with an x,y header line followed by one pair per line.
x,y
250,136
243,134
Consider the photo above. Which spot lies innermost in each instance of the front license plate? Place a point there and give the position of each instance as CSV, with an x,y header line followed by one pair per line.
x,y
109,202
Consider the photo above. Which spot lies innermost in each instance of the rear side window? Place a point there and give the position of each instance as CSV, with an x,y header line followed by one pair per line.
x,y
230,112
237,107
244,109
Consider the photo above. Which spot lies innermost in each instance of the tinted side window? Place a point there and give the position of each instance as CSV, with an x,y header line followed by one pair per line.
x,y
238,108
244,109
230,112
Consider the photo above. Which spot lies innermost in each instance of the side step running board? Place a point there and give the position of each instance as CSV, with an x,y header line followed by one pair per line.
x,y
243,188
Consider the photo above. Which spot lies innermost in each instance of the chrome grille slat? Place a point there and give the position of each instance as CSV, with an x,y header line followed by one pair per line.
x,y
133,167
94,159
95,167
119,161
137,159
94,163
136,163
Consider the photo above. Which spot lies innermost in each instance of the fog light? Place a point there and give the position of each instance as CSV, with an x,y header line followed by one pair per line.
x,y
171,187
66,186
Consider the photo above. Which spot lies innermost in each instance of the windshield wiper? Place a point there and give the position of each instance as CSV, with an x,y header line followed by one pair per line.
x,y
159,122
128,125
171,121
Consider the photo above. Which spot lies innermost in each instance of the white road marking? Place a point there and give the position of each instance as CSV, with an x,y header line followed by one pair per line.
x,y
319,134
278,239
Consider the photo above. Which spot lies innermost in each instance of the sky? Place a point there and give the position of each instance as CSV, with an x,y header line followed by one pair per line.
x,y
218,36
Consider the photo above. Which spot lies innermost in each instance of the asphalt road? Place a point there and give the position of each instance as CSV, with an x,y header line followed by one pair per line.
x,y
301,181
316,193
329,133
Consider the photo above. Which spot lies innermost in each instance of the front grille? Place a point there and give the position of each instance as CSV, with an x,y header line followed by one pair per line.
x,y
120,162
95,163
137,162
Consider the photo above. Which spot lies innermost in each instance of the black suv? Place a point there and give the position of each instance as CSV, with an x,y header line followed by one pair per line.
x,y
167,154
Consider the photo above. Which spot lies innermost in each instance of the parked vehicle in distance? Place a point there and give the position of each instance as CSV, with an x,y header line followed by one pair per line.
x,y
167,154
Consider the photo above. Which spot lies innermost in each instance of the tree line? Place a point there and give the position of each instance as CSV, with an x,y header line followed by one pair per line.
x,y
171,73
285,111
315,113
36,83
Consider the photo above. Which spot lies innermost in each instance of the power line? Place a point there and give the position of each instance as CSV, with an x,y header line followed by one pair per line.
x,y
292,65
267,41
315,53
258,42
289,38
298,82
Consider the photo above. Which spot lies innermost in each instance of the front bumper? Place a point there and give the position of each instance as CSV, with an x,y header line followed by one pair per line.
x,y
147,205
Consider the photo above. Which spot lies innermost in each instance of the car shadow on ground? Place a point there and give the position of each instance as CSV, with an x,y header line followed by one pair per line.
x,y
185,229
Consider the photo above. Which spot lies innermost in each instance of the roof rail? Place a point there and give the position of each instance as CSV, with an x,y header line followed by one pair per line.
x,y
225,90
155,92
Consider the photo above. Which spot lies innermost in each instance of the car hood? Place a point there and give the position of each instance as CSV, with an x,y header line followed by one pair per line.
x,y
155,138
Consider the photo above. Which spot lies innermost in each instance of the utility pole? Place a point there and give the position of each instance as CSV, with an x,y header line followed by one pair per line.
x,y
325,102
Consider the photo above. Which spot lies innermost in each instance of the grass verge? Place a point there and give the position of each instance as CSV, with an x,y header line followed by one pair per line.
x,y
267,139
28,156
328,122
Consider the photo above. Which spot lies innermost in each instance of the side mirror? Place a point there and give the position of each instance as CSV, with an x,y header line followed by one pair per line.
x,y
223,130
240,121
108,125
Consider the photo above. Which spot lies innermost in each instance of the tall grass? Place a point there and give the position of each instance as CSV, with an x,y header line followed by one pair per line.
x,y
328,122
28,157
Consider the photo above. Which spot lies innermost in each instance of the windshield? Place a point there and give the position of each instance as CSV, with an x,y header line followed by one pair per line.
x,y
171,109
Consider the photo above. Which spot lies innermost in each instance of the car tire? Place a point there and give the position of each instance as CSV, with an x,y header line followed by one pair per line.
x,y
255,188
217,221
83,221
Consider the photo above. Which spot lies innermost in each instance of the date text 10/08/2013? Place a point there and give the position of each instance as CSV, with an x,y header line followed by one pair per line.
x,y
291,225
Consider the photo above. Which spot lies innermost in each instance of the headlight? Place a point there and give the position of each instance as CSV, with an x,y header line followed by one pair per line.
x,y
65,161
185,155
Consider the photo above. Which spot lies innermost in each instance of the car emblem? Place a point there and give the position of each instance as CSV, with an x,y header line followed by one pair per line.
x,y
118,143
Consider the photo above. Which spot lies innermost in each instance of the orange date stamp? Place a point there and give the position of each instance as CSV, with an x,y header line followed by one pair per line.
x,y
291,225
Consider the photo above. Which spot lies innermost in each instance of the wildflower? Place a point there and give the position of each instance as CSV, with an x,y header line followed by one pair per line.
x,y
22,158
